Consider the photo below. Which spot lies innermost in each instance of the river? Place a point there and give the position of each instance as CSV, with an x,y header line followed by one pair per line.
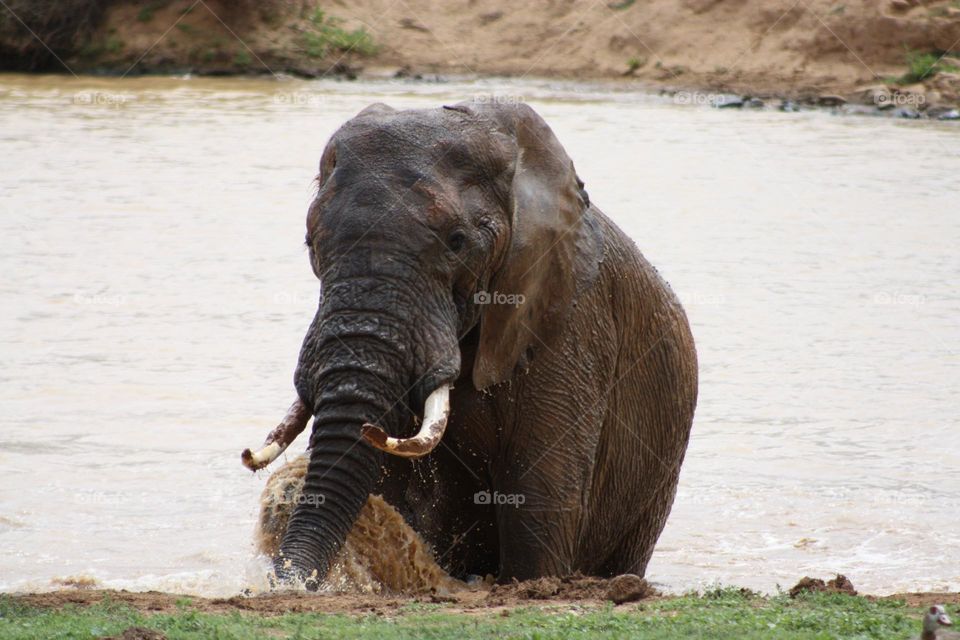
x,y
156,290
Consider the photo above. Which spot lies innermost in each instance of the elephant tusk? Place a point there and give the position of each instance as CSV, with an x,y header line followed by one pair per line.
x,y
279,439
436,410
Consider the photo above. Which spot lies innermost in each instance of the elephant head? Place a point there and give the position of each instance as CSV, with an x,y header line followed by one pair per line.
x,y
424,220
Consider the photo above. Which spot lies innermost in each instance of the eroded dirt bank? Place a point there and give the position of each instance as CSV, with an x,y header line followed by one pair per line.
x,y
554,592
886,53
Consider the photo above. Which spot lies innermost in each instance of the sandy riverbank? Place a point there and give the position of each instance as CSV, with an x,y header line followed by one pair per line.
x,y
896,54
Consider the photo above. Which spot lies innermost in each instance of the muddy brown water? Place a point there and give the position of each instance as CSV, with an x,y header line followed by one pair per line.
x,y
382,554
156,290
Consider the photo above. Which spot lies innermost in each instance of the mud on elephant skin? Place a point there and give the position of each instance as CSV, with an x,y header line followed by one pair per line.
x,y
466,274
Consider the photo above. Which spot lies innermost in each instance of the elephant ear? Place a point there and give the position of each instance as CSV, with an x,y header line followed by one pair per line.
x,y
552,247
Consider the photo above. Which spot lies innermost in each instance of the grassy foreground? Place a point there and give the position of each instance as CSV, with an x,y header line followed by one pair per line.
x,y
723,613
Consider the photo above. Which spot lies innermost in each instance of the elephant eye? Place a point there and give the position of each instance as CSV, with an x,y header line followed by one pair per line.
x,y
456,240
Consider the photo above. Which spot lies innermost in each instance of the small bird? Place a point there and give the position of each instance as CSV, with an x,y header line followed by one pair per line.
x,y
935,618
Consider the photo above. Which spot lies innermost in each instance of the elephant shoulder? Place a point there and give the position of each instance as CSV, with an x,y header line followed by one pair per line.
x,y
630,281
592,247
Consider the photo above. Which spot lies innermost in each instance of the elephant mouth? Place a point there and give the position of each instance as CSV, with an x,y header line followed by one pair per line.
x,y
436,412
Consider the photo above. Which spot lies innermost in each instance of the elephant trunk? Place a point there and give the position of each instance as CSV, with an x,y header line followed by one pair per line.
x,y
341,474
365,359
343,469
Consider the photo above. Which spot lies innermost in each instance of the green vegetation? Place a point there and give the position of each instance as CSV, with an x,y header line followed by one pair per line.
x,y
58,28
242,58
921,66
113,45
718,614
146,13
328,35
674,70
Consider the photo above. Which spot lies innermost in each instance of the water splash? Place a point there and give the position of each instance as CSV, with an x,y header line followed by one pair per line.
x,y
382,553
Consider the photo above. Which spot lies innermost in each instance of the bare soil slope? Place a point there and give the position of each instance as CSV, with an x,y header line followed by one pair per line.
x,y
782,47
794,48
762,45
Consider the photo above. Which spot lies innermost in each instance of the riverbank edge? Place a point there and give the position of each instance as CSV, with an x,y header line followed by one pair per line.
x,y
719,612
904,79
800,98
522,594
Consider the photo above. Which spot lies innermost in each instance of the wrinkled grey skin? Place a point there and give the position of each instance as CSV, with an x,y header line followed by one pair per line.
x,y
579,401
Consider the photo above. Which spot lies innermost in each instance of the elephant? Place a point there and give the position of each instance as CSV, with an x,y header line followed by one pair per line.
x,y
467,277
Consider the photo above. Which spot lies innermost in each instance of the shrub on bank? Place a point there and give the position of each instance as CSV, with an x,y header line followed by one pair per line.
x,y
34,33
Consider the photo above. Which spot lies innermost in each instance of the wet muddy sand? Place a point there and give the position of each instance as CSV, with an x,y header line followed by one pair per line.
x,y
544,592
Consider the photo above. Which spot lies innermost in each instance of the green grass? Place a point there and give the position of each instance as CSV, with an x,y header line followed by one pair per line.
x,y
921,66
720,614
113,45
146,13
328,36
